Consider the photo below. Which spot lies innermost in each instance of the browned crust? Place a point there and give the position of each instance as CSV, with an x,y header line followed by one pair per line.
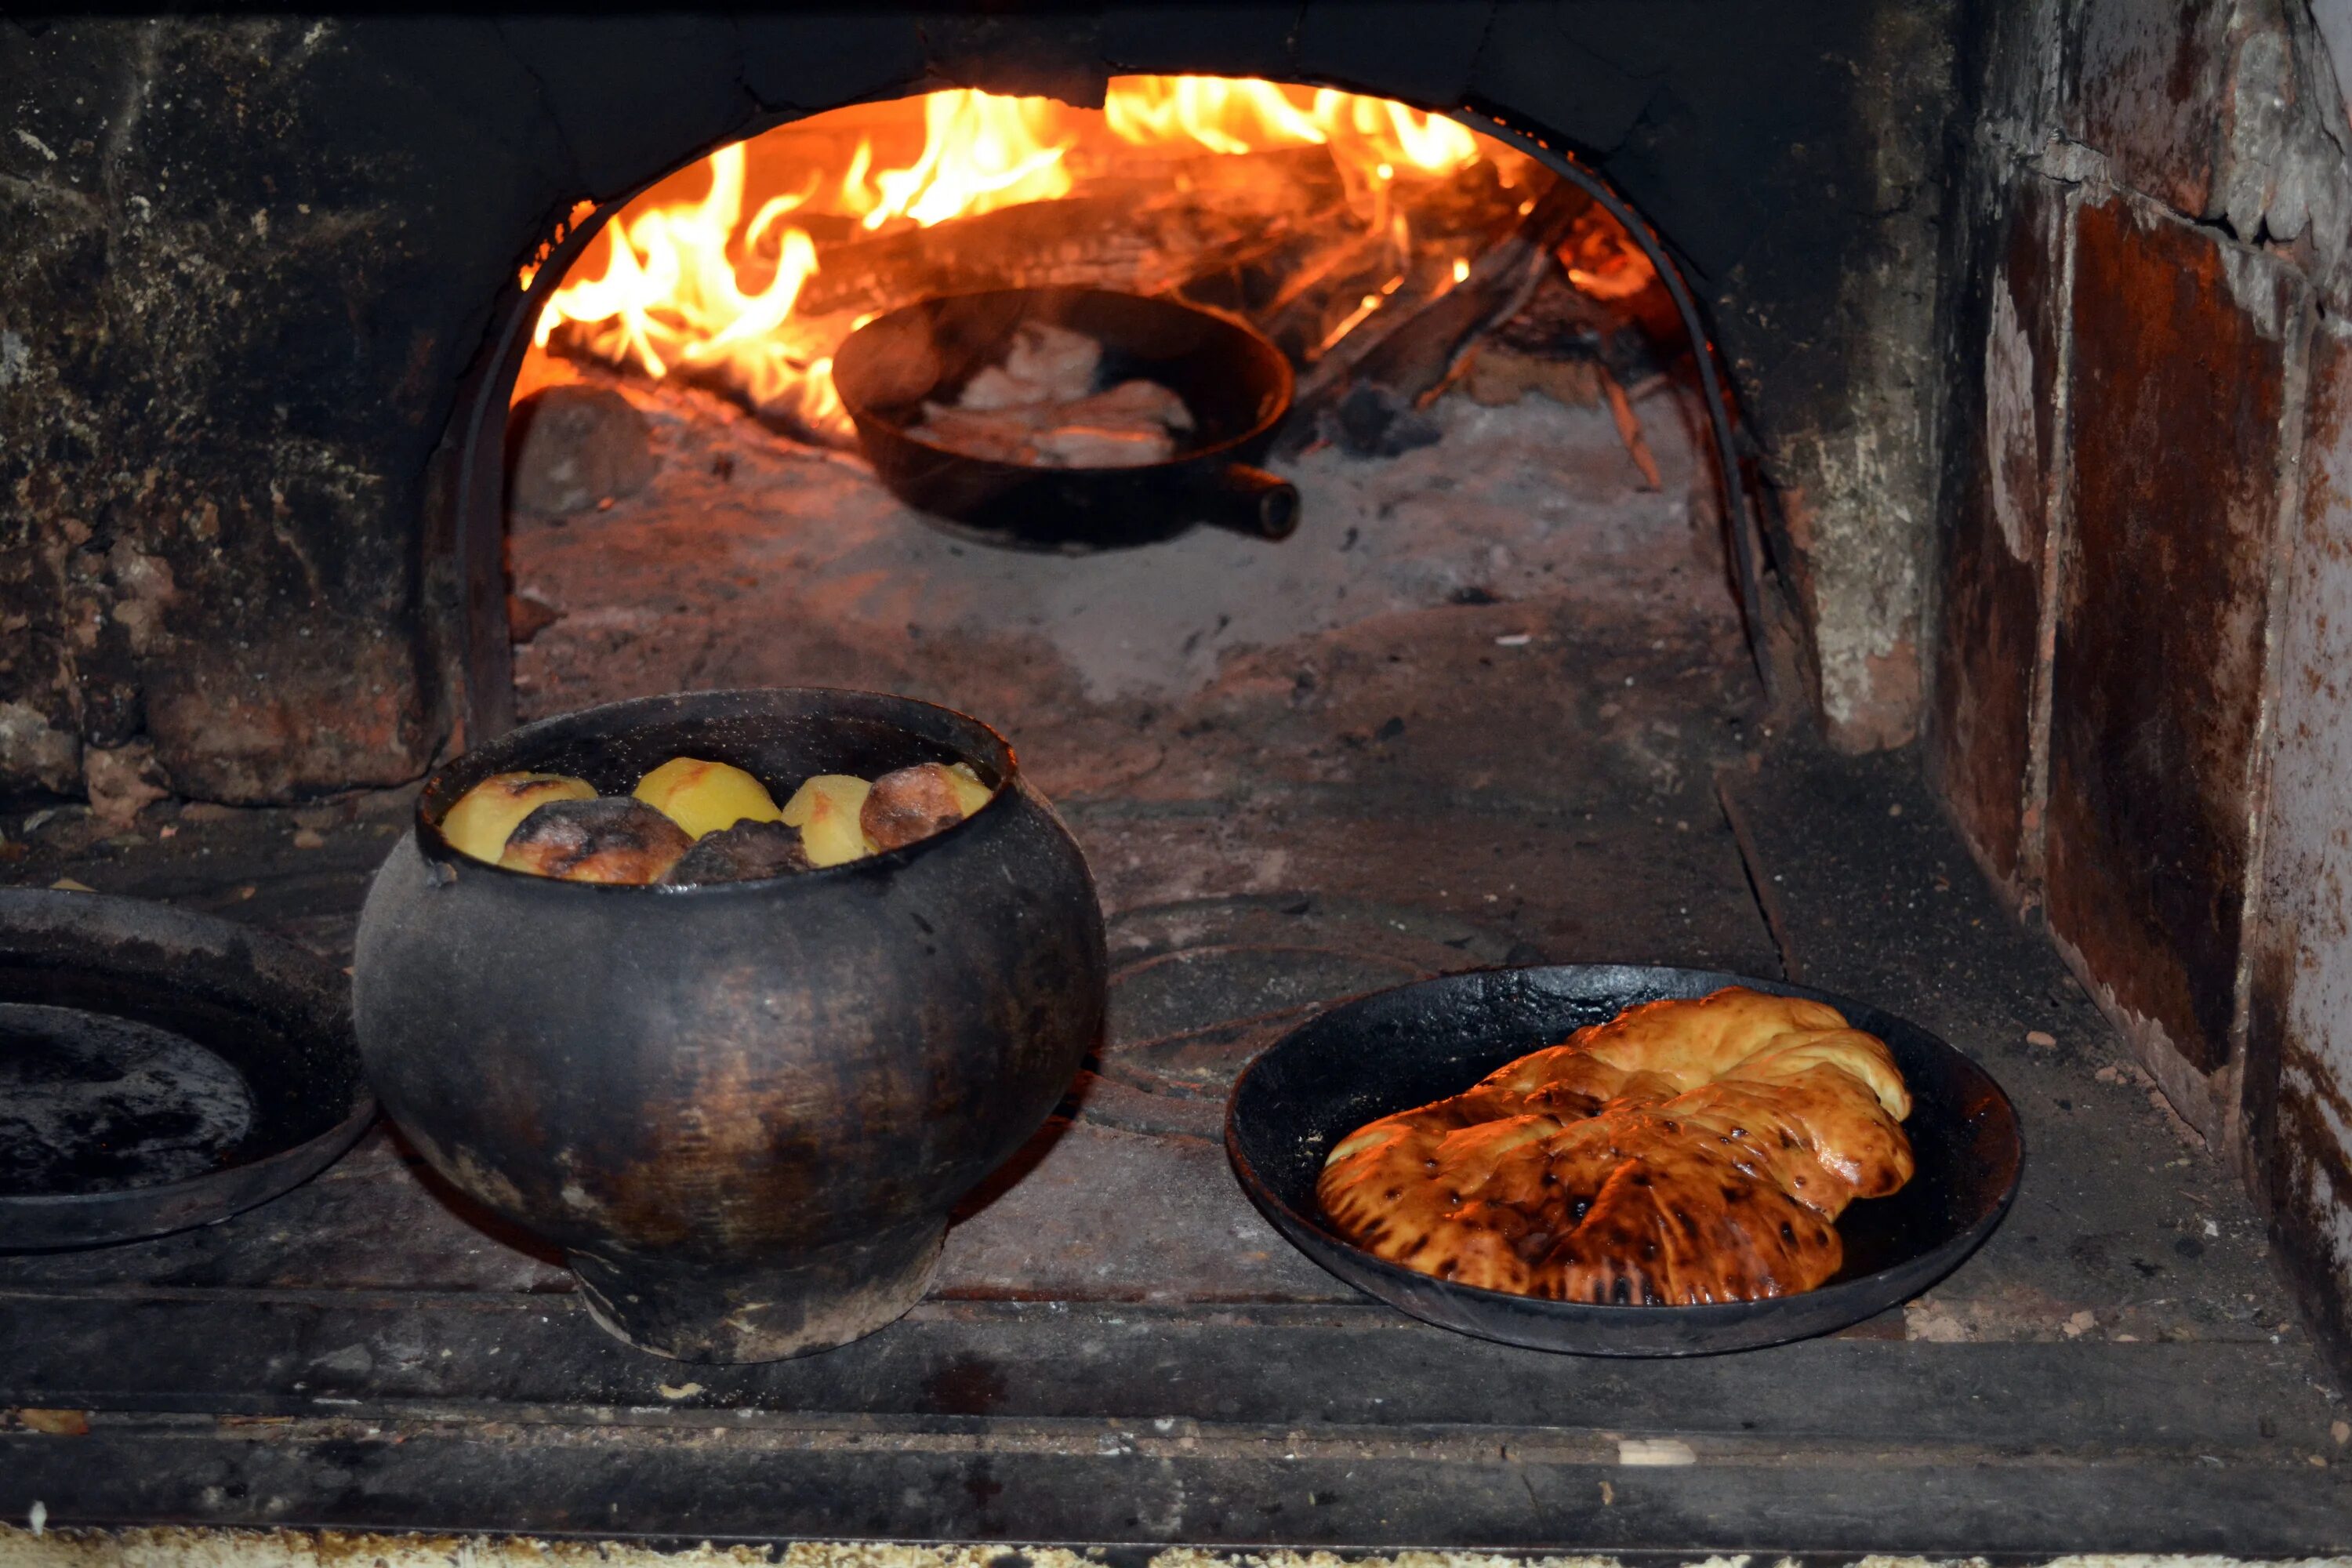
x,y
610,840
908,805
1685,1153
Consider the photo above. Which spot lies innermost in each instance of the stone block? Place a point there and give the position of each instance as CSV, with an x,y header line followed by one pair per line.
x,y
292,717
2144,85
2005,441
122,782
571,446
35,753
2181,347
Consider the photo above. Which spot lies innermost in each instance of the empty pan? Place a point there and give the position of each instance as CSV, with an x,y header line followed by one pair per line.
x,y
1396,1050
1236,384
160,1068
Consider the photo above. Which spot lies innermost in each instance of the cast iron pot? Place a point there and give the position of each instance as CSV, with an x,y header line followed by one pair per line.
x,y
742,1109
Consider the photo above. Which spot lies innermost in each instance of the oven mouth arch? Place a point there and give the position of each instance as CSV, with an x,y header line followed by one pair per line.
x,y
477,505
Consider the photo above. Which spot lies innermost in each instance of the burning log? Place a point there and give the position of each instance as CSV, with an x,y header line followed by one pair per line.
x,y
1629,430
1362,394
1131,233
1563,344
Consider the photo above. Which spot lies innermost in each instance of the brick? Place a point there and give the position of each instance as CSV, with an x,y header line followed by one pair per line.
x,y
280,720
2005,442
2144,86
2180,356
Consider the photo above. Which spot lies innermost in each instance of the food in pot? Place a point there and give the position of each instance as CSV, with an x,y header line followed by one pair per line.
x,y
743,853
1685,1151
705,797
608,839
691,821
1041,410
825,809
915,803
485,815
1043,364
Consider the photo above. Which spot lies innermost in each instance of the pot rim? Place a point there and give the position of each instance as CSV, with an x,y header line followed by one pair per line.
x,y
437,849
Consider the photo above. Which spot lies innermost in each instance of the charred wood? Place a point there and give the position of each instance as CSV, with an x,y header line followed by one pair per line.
x,y
1365,394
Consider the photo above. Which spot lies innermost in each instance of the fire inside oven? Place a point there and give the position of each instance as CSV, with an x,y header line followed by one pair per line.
x,y
1486,393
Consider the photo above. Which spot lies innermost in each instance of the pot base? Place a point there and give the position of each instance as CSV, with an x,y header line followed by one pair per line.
x,y
722,1313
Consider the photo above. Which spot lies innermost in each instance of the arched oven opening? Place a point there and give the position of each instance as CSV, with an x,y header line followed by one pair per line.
x,y
1452,288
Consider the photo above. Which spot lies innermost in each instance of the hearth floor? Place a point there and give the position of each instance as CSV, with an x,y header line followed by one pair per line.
x,y
1496,765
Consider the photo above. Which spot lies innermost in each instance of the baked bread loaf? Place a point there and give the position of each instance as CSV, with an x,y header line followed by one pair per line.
x,y
1684,1151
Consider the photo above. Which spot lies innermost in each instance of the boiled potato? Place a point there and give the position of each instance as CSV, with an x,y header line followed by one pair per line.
x,y
487,814
606,840
825,809
915,803
705,797
971,794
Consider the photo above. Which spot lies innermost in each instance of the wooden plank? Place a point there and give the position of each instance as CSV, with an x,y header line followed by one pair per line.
x,y
522,1358
720,1484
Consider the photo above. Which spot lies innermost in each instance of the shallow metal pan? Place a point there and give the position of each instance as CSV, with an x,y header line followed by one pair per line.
x,y
1396,1050
92,986
1237,385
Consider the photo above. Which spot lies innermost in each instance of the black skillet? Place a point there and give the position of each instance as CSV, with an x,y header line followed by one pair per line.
x,y
1395,1049
1236,384
160,1068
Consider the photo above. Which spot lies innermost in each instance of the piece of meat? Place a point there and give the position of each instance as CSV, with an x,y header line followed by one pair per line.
x,y
1060,362
996,388
1039,409
1000,437
1104,446
1131,424
1044,364
1131,399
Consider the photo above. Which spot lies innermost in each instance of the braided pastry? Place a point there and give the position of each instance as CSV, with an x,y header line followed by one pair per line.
x,y
1683,1152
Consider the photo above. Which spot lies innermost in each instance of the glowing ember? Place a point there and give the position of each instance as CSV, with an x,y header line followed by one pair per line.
x,y
1603,261
692,285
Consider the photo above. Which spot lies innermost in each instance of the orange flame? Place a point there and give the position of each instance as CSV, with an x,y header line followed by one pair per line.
x,y
980,153
690,284
1603,261
673,296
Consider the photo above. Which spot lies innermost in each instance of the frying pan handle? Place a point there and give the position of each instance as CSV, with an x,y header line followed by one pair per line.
x,y
1250,500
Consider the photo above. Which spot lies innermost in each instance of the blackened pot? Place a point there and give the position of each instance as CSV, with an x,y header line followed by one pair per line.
x,y
742,1109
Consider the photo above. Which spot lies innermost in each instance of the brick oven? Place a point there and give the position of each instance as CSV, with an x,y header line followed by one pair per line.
x,y
1946,607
